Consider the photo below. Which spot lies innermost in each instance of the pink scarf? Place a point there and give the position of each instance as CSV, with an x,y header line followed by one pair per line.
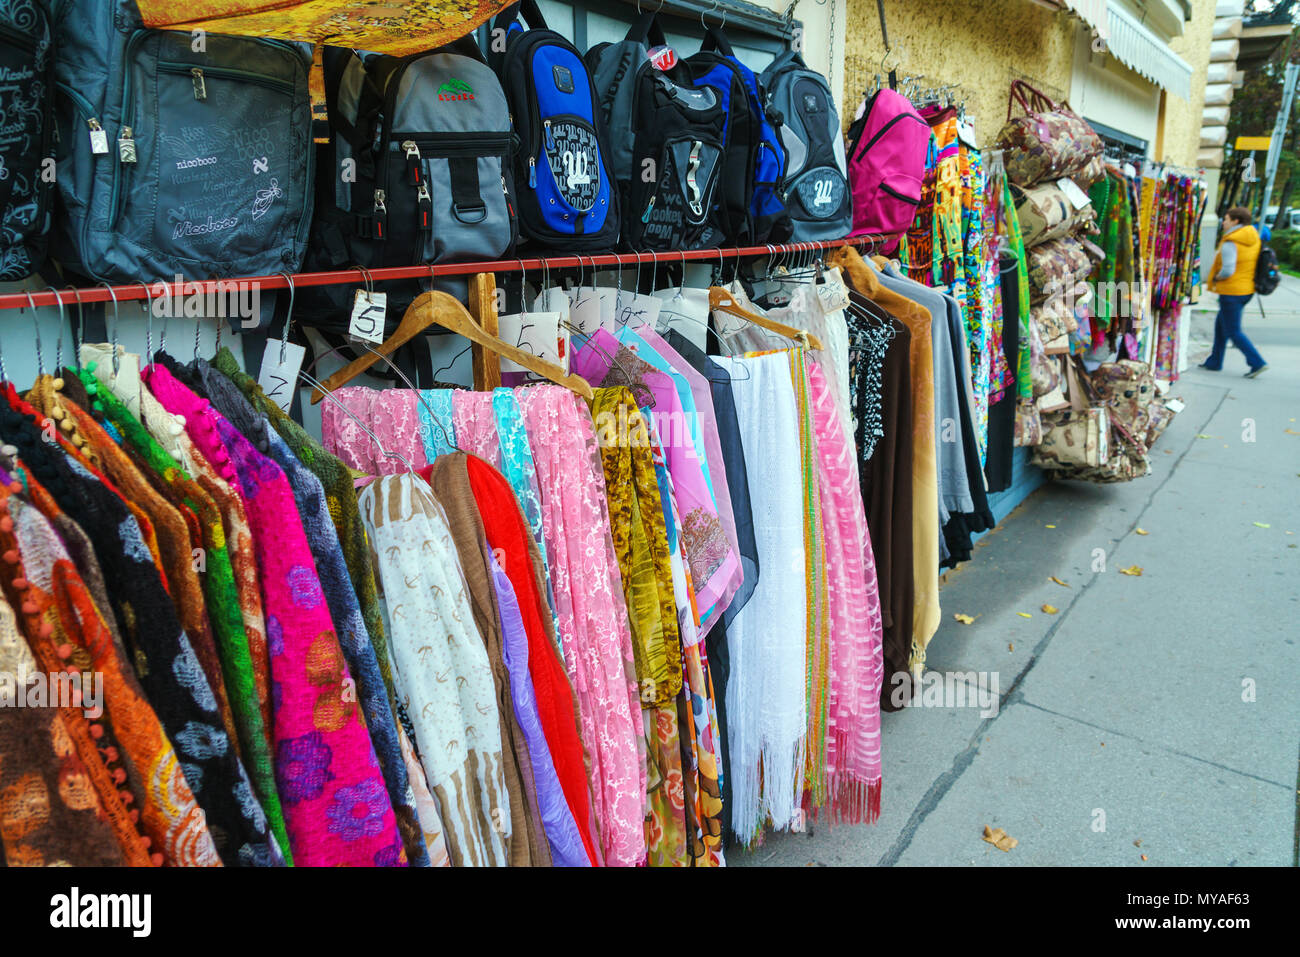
x,y
856,666
594,628
336,807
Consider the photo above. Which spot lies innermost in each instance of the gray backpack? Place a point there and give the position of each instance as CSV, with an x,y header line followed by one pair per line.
x,y
418,169
816,188
176,160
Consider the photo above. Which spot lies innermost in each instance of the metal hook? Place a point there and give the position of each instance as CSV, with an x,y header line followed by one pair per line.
x,y
288,319
112,339
523,288
40,358
76,345
419,397
58,341
147,306
198,327
328,394
162,338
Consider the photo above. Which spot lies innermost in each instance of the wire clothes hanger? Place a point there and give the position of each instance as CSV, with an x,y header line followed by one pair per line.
x,y
328,394
419,397
438,308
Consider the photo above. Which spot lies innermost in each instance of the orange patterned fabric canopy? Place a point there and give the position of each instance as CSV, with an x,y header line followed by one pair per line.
x,y
388,26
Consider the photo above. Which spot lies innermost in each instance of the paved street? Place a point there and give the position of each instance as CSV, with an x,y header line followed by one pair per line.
x,y
1160,708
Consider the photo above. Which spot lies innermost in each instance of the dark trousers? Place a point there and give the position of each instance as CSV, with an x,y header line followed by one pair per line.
x,y
1227,328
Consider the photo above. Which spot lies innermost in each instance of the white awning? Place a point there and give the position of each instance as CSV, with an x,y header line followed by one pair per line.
x,y
1093,13
1143,52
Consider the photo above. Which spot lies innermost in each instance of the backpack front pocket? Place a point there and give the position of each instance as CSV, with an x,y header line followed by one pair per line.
x,y
209,158
818,194
678,211
449,193
571,188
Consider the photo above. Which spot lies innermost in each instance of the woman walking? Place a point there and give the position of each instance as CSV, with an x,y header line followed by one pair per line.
x,y
1233,278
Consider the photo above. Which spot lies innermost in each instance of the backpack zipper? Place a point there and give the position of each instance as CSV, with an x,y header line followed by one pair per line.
x,y
379,230
884,129
199,73
98,138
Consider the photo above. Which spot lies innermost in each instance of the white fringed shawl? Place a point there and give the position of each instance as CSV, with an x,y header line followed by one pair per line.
x,y
766,691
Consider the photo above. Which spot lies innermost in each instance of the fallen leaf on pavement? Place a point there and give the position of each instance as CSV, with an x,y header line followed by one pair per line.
x,y
1011,646
1262,525
1137,843
1141,531
999,838
1134,570
1202,435
1169,451
1291,432
1023,614
1144,857
1053,578
1050,609
964,619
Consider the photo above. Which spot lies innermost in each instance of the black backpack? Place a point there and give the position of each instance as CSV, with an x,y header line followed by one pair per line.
x,y
566,196
417,170
667,137
1267,275
755,159
26,105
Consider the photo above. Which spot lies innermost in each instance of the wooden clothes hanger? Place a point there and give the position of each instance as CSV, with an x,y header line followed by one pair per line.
x,y
440,309
720,300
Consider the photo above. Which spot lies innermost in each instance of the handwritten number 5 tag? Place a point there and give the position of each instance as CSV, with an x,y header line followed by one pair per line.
x,y
367,320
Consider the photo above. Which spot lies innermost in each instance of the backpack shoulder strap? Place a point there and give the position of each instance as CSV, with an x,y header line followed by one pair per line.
x,y
715,39
647,31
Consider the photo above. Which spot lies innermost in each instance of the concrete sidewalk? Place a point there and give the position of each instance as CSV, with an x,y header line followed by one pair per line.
x,y
1160,708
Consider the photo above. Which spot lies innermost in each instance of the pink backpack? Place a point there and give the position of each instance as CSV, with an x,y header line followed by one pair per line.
x,y
888,146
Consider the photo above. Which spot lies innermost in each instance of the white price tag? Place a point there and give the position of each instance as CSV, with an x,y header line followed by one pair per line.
x,y
637,310
584,309
538,333
367,320
1077,197
279,380
832,293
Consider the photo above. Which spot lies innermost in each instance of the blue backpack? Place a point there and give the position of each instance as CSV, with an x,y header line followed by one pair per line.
x,y
173,159
755,160
564,191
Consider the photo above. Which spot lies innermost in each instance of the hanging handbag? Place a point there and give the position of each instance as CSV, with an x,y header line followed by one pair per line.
x,y
1048,142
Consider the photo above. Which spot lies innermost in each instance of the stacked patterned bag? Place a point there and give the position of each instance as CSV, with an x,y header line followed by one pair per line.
x,y
1114,417
1097,427
1051,156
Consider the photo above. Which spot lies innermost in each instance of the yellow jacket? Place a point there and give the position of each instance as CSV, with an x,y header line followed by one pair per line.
x,y
1242,280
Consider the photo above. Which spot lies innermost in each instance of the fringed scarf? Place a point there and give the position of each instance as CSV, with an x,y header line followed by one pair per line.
x,y
852,761
441,666
767,640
